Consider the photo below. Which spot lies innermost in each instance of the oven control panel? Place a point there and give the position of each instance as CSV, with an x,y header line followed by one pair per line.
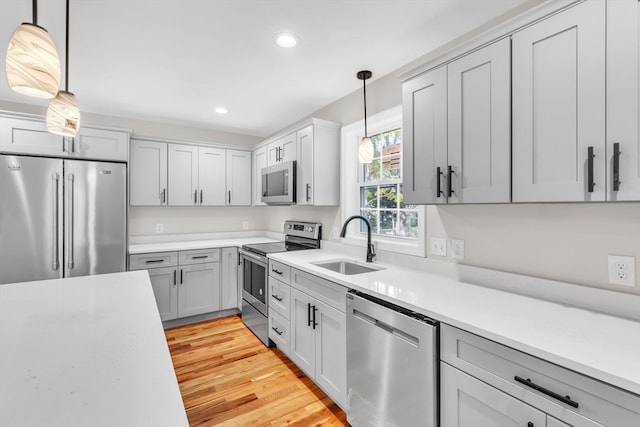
x,y
310,230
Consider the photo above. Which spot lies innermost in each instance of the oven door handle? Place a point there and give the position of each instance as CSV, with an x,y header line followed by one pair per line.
x,y
256,258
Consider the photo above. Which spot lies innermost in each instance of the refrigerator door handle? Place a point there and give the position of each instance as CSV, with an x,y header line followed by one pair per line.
x,y
55,261
70,223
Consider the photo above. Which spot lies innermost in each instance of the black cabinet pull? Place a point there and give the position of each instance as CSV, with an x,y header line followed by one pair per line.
x,y
276,330
616,166
153,261
229,196
276,271
200,257
563,399
308,314
438,189
175,272
200,196
195,197
276,297
314,317
164,196
181,276
449,186
590,157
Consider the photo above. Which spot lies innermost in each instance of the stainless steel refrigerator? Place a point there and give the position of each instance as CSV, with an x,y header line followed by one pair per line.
x,y
61,218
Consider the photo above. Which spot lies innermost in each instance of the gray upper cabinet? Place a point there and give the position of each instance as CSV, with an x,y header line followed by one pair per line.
x,y
559,107
479,119
148,173
183,175
623,59
318,168
238,177
30,136
283,149
424,149
259,162
211,176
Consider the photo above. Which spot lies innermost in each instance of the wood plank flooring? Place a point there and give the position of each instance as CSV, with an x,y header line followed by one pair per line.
x,y
228,378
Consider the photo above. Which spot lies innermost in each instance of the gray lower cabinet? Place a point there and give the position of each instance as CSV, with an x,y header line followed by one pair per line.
x,y
229,295
483,383
468,402
185,283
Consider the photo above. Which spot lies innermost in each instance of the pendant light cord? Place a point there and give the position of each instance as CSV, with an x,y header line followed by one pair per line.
x,y
66,56
34,10
364,89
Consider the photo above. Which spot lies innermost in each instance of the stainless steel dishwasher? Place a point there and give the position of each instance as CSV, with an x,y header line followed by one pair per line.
x,y
392,364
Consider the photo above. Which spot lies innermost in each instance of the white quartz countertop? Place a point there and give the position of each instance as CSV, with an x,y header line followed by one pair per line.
x,y
86,351
601,346
196,244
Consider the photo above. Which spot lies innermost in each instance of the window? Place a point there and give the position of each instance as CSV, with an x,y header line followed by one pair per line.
x,y
375,190
381,198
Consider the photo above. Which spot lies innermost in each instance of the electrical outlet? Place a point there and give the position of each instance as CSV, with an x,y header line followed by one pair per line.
x,y
245,225
159,228
622,270
457,249
438,246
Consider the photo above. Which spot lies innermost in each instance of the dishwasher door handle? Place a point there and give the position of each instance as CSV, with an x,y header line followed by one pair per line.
x,y
388,328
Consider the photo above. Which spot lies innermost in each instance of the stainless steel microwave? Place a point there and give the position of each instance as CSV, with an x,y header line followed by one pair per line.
x,y
279,184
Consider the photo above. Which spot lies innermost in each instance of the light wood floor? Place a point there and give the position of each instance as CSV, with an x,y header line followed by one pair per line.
x,y
228,378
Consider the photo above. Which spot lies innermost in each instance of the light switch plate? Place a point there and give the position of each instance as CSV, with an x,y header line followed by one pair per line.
x,y
438,246
622,270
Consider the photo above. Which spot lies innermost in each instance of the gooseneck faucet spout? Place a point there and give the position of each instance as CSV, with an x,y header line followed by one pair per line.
x,y
370,252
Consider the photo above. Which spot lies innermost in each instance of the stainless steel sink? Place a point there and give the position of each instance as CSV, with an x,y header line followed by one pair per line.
x,y
347,267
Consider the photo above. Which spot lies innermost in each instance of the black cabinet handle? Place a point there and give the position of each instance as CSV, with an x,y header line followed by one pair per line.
x,y
175,273
200,257
153,261
563,399
308,192
590,157
200,196
181,276
449,186
276,297
314,317
616,166
229,196
276,330
276,271
163,198
438,189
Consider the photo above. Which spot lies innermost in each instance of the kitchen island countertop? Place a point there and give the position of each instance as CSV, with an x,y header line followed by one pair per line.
x,y
86,351
598,345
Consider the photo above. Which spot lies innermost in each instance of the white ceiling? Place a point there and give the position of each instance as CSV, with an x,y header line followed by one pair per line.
x,y
174,61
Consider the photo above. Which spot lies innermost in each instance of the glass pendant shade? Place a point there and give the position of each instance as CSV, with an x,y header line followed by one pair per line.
x,y
63,114
365,150
32,65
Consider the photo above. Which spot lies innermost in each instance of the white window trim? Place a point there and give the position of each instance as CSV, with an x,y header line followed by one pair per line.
x,y
350,188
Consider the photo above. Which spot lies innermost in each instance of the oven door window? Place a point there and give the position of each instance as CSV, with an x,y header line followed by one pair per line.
x,y
254,282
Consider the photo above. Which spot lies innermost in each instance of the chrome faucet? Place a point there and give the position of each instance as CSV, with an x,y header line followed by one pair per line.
x,y
370,253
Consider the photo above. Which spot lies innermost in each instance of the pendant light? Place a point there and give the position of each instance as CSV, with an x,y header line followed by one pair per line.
x,y
32,63
365,148
63,114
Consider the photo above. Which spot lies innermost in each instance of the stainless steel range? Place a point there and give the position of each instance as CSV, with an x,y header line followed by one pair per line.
x,y
254,277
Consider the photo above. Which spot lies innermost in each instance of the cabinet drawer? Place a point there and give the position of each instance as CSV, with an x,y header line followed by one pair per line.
x,y
499,366
328,292
199,256
280,271
279,297
153,260
279,331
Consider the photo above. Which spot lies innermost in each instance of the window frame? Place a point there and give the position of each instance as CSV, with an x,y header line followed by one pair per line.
x,y
351,183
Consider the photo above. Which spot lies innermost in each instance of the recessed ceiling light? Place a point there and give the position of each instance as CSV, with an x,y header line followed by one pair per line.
x,y
286,40
221,110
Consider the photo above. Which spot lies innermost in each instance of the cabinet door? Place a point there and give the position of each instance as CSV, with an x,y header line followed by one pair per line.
x,y
148,173
259,162
479,140
623,88
211,176
468,402
331,353
238,178
229,284
100,144
29,137
305,166
165,288
199,289
183,175
289,150
424,149
273,153
302,333
559,106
